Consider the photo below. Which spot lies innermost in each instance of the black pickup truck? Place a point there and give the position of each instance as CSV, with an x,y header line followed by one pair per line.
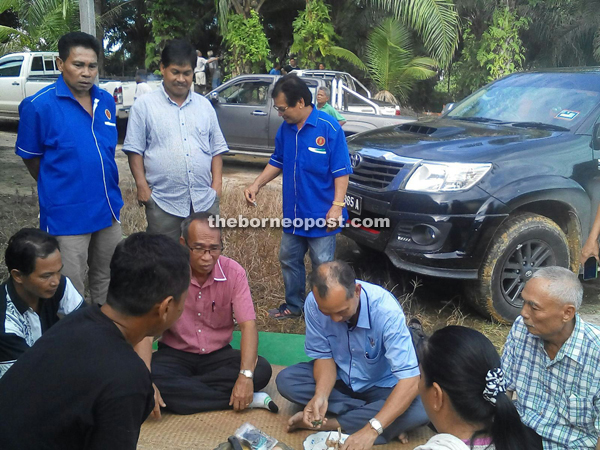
x,y
505,182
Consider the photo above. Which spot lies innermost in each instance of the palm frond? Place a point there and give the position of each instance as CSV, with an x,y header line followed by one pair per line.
x,y
222,8
111,16
436,21
343,53
5,5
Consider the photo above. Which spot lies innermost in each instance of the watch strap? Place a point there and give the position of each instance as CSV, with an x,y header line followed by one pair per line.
x,y
376,425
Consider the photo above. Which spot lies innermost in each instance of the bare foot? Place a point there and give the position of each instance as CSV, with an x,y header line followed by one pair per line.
x,y
296,422
403,438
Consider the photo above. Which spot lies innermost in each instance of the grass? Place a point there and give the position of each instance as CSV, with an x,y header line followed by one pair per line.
x,y
256,249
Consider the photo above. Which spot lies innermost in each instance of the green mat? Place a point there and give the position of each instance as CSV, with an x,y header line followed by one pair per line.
x,y
281,349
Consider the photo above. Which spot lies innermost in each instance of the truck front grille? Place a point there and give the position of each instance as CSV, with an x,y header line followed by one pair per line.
x,y
375,173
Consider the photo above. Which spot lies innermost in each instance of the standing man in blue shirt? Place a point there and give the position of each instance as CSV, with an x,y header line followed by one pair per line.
x,y
365,373
311,151
174,145
67,139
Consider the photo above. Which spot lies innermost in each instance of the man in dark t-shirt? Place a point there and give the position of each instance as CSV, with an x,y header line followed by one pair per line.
x,y
82,386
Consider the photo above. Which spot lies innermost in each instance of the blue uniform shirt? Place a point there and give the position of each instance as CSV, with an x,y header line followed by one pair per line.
x,y
78,182
378,351
311,158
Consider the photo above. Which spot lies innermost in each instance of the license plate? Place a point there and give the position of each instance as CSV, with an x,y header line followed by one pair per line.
x,y
354,203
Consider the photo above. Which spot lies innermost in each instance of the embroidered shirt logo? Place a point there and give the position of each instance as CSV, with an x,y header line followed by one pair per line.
x,y
108,114
320,141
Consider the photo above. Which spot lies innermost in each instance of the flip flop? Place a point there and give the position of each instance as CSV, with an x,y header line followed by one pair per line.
x,y
283,312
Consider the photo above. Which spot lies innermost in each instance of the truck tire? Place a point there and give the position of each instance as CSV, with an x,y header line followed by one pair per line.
x,y
523,243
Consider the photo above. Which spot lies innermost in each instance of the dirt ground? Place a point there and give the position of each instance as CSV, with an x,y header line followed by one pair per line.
x,y
436,302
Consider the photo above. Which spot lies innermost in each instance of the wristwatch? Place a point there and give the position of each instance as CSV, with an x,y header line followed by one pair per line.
x,y
376,425
247,373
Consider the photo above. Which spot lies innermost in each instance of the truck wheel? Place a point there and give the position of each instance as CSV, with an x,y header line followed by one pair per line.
x,y
523,244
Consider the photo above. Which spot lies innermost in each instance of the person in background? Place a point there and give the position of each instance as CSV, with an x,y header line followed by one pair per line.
x,y
591,248
323,95
276,70
174,145
35,296
321,66
213,68
82,386
142,87
200,73
291,66
550,359
463,390
67,138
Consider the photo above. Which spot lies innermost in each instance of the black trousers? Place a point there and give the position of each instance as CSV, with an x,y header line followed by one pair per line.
x,y
190,383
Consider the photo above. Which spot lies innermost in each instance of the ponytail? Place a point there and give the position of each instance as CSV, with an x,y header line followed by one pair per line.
x,y
506,430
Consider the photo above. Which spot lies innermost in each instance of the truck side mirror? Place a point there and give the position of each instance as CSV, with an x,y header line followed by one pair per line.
x,y
214,98
596,137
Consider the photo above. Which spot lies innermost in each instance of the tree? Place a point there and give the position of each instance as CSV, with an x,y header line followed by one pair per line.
x,y
436,22
241,7
313,32
390,61
247,42
42,23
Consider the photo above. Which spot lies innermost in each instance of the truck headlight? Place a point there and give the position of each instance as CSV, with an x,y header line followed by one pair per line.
x,y
446,177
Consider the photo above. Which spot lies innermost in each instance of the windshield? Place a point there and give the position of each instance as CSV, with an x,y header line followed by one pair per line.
x,y
560,99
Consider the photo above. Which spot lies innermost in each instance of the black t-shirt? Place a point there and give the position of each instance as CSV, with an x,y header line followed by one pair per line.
x,y
81,386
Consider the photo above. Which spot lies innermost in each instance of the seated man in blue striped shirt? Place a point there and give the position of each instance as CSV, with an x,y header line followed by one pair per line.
x,y
365,372
550,362
35,295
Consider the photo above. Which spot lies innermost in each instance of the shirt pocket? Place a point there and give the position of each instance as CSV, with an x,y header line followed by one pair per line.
x,y
373,350
315,160
203,139
580,412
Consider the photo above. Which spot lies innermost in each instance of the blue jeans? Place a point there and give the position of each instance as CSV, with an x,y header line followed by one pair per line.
x,y
291,257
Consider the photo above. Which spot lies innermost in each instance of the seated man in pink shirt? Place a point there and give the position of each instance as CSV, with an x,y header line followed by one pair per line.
x,y
195,369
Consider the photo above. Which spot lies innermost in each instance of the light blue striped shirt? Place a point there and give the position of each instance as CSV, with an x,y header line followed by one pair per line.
x,y
178,144
378,351
559,398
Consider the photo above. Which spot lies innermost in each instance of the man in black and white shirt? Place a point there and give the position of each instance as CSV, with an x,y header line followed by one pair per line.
x,y
35,295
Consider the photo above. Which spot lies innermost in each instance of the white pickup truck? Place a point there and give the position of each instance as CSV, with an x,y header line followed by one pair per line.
x,y
23,74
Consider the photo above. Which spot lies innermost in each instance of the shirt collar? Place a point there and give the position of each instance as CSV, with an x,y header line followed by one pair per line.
x,y
186,101
62,90
572,347
364,316
217,274
19,303
313,117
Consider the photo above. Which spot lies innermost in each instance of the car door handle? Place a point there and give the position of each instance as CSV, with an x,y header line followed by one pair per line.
x,y
258,113
16,83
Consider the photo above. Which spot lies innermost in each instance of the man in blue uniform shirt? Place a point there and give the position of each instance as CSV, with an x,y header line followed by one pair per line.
x,y
365,373
311,151
67,138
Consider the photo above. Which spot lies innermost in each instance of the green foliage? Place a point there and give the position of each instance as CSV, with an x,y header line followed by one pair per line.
x,y
313,33
43,22
436,22
170,19
247,43
499,52
390,62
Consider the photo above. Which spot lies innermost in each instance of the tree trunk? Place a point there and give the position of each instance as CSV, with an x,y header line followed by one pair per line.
x,y
98,9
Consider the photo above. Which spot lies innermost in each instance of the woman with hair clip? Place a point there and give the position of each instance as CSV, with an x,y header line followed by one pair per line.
x,y
463,391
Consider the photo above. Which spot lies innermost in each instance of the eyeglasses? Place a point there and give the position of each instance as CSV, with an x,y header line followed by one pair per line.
x,y
212,250
280,109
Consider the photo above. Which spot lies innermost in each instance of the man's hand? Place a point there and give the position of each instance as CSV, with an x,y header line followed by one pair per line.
x,y
158,403
333,218
242,393
363,439
250,193
589,249
314,412
143,194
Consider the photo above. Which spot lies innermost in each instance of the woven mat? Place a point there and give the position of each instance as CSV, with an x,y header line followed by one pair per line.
x,y
205,431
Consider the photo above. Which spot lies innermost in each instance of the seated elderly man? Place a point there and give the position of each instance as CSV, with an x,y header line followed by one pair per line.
x,y
365,373
551,362
35,295
195,368
323,105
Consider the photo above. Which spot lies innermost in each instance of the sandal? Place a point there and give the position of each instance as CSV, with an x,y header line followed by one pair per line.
x,y
283,312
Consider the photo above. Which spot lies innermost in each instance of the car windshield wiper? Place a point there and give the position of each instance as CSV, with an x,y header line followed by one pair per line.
x,y
540,125
475,119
